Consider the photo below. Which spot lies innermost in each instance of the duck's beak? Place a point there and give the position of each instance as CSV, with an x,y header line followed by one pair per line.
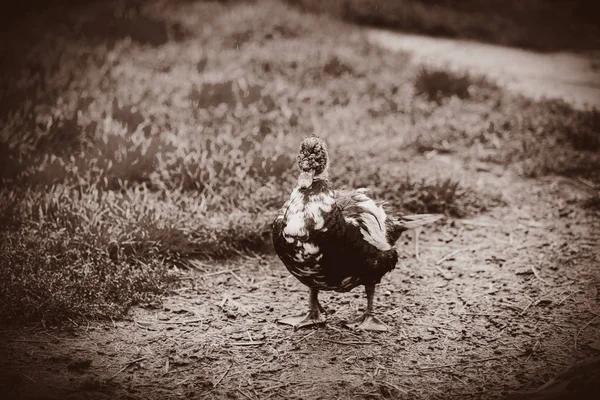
x,y
306,179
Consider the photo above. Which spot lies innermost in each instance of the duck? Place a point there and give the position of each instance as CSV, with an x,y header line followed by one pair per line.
x,y
336,240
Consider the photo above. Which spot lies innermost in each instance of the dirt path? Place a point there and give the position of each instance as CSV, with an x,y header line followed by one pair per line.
x,y
514,291
573,77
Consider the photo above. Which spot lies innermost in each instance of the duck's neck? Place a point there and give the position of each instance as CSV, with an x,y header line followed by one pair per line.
x,y
323,176
320,184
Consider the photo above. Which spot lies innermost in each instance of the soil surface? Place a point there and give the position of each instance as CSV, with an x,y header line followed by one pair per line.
x,y
494,304
573,77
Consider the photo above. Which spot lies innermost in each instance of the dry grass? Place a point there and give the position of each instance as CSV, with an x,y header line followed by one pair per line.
x,y
437,85
49,276
443,196
147,152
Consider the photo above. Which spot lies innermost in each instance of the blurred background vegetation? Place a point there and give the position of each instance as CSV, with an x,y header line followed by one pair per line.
x,y
545,25
138,135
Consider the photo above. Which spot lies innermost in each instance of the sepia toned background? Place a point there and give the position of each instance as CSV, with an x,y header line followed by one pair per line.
x,y
146,147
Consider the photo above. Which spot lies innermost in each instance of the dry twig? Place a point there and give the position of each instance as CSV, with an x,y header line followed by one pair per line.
x,y
582,328
395,387
431,326
455,252
565,298
181,382
244,394
190,321
465,362
478,223
226,271
276,386
527,307
537,275
350,342
483,314
249,343
223,376
236,276
444,273
304,337
128,364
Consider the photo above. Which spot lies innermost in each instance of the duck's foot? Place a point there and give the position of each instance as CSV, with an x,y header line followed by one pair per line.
x,y
367,322
303,320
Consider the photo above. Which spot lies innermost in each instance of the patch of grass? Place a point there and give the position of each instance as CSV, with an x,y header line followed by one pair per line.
x,y
424,197
547,137
50,276
439,196
137,222
592,203
535,138
583,130
437,85
414,193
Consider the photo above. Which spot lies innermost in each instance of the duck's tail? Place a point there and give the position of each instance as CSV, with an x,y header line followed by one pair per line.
x,y
407,222
416,220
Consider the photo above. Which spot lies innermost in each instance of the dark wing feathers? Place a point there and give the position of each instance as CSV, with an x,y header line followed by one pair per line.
x,y
347,253
395,224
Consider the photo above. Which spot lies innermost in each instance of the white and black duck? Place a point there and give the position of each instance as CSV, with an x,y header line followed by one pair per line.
x,y
336,240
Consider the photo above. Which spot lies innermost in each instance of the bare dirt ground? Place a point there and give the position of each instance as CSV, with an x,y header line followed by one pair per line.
x,y
573,77
498,303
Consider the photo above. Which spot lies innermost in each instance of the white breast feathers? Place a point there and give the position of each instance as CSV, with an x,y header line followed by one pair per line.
x,y
300,210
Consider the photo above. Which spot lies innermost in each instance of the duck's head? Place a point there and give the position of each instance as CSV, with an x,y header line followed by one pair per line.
x,y
313,161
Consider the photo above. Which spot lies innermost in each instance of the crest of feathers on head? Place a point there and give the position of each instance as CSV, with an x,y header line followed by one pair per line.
x,y
313,155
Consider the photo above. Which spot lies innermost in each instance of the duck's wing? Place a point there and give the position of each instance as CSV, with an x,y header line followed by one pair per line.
x,y
363,239
358,207
369,216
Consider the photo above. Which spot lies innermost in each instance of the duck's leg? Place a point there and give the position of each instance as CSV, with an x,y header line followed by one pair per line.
x,y
321,309
368,321
312,317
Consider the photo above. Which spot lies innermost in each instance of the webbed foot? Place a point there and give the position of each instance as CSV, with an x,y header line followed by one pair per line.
x,y
367,322
311,318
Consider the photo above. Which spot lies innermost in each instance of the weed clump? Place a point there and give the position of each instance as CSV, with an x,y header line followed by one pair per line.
x,y
440,196
437,85
52,277
592,203
583,131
